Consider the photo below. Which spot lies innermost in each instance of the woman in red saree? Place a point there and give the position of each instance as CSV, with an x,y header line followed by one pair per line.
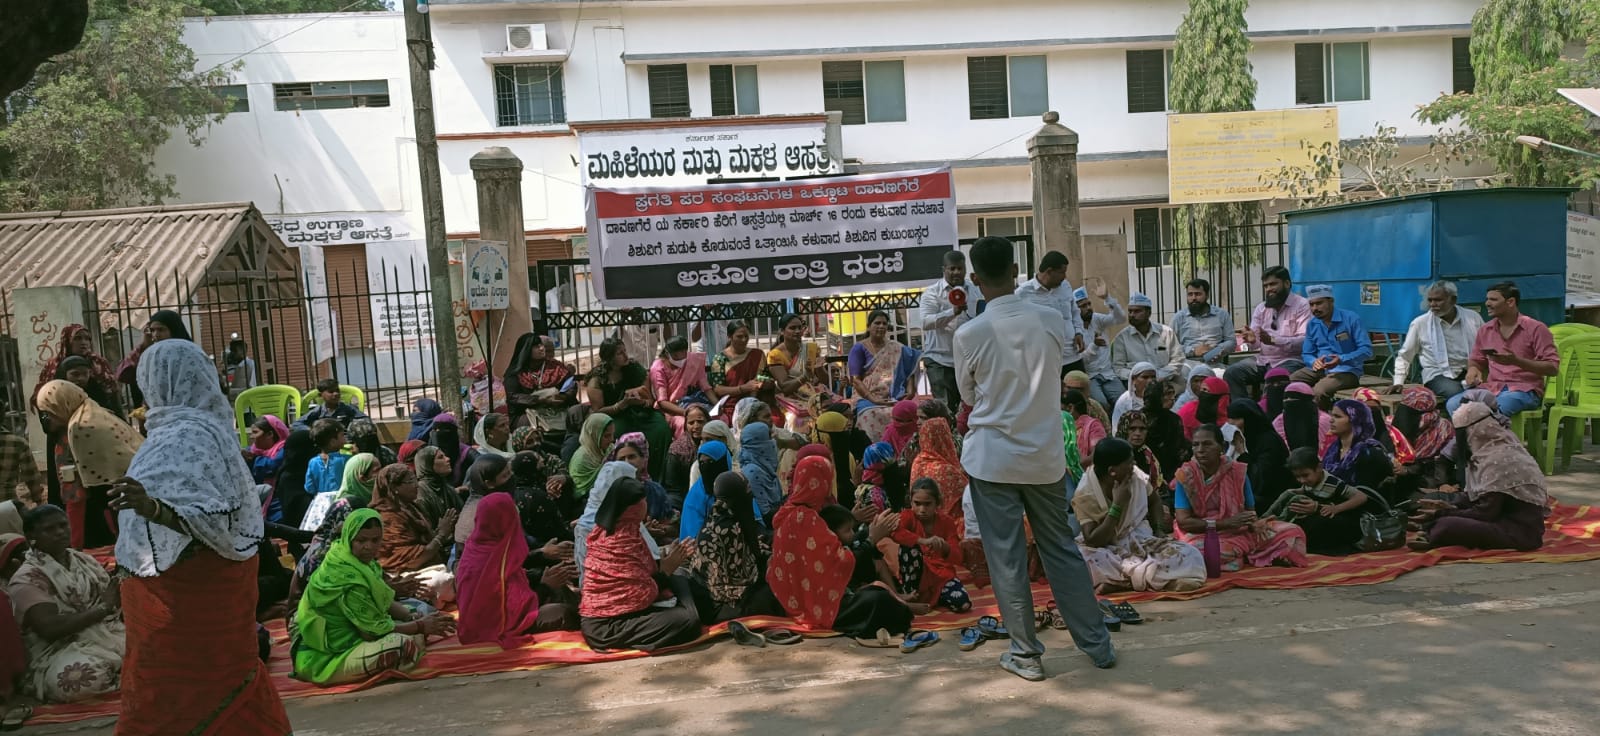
x,y
737,371
191,528
810,569
938,460
1213,492
495,602
930,551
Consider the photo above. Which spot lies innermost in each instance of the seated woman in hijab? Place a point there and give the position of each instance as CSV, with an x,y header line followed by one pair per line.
x,y
1089,430
69,609
1303,423
1212,492
903,418
265,450
633,449
1209,407
163,325
930,550
682,455
410,542
422,416
833,430
758,460
539,387
728,568
349,627
939,460
1135,430
493,435
446,436
1393,440
594,442
363,435
1503,503
826,573
1272,389
1356,456
1430,436
101,446
437,496
620,386
1264,454
629,600
714,461
495,599
1165,435
609,474
876,480
540,504
1124,539
1191,386
1139,380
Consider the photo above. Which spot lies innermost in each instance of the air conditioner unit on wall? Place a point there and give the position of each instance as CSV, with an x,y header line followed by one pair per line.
x,y
526,37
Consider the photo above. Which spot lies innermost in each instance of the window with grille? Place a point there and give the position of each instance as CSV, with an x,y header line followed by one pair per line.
x,y
669,90
1149,72
1462,76
1152,237
734,90
330,95
1330,72
529,94
232,97
865,92
1006,86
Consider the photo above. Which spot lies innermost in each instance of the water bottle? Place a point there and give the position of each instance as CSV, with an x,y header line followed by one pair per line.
x,y
1213,551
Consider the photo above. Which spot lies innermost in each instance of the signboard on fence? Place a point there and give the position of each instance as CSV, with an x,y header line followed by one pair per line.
x,y
487,270
340,228
1583,258
673,246
402,312
1222,157
631,156
318,315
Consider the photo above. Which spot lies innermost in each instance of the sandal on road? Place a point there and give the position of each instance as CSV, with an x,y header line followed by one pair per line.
x,y
744,636
1124,612
971,637
15,716
917,639
881,641
991,628
781,637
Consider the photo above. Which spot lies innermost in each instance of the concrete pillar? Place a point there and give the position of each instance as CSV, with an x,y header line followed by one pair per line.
x,y
39,316
498,173
1053,160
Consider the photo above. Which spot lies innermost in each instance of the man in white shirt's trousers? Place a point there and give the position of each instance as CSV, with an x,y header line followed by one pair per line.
x,y
1008,369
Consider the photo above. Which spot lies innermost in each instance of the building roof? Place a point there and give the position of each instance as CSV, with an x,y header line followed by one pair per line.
x,y
146,256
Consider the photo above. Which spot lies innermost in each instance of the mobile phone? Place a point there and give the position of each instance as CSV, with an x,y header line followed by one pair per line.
x,y
1490,351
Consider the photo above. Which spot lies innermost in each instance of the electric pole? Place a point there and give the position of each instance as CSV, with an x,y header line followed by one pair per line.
x,y
419,53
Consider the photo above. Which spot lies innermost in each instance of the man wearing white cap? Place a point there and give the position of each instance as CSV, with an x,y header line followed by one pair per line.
x,y
1145,342
1336,346
1104,384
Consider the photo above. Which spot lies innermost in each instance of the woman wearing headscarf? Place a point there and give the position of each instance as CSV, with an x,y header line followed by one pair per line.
x,y
355,492
1430,436
714,461
410,541
1191,386
1503,503
1264,454
77,346
422,419
620,387
491,474
290,485
608,477
594,442
832,429
436,496
163,325
622,582
939,461
1139,379
1164,435
539,386
1209,407
101,447
758,460
542,502
408,451
446,435
681,455
1124,539
720,431
494,599
876,478
1211,492
1272,389
191,527
349,627
822,579
1356,457
493,435
902,426
1303,423
633,448
1135,430
1087,431
728,568
363,435
1394,442
264,450
67,606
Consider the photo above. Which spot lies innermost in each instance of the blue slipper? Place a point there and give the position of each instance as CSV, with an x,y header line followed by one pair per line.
x,y
971,637
990,627
918,639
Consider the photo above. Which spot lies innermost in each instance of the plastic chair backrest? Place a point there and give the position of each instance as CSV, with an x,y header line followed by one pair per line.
x,y
280,401
1567,330
1582,379
348,394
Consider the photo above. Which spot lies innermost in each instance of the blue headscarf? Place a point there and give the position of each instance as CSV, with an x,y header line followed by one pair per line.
x,y
758,459
422,419
698,503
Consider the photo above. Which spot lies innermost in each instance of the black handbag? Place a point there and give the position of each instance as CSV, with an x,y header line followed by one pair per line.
x,y
1382,527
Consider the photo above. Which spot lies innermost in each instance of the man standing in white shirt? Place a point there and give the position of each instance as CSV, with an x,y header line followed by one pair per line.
x,y
1442,340
1104,385
940,318
1006,368
1146,342
1050,288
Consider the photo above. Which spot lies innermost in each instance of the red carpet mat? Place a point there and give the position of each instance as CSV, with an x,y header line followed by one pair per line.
x,y
1571,536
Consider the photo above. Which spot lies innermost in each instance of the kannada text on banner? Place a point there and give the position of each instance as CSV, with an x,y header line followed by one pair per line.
x,y
1222,157
734,242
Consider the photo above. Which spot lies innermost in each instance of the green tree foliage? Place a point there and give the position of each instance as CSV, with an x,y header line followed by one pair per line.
x,y
1517,60
1372,167
84,132
276,7
1211,72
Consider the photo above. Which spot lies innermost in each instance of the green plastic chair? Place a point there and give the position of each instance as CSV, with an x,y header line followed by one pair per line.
x,y
1577,397
348,394
1572,329
280,401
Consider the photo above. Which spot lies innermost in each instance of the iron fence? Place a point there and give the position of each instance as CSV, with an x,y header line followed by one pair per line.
x,y
1232,259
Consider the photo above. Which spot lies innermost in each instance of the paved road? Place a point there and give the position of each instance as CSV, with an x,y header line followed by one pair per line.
x,y
1457,649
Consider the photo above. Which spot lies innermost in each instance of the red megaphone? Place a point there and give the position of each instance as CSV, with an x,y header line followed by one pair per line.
x,y
958,297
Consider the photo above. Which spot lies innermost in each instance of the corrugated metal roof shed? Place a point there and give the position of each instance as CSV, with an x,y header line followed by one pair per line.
x,y
152,255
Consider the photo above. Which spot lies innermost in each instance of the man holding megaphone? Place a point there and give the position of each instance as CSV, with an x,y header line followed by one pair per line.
x,y
947,304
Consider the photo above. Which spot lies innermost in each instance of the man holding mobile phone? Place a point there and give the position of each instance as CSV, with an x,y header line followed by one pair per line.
x,y
1512,355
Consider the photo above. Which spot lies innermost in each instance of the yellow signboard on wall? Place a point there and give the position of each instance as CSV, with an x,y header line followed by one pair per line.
x,y
1222,157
